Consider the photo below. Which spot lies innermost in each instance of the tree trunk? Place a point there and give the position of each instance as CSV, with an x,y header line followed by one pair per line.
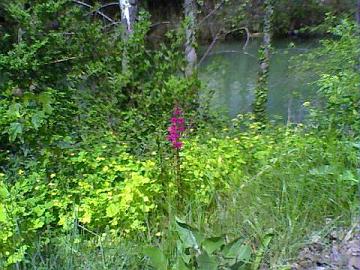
x,y
129,9
190,11
262,89
358,12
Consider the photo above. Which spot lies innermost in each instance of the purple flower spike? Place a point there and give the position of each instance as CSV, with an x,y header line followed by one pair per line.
x,y
176,129
177,111
177,145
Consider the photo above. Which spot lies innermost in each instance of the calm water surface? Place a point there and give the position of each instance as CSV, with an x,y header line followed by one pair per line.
x,y
231,73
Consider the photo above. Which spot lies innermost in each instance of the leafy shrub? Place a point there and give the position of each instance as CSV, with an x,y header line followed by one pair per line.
x,y
98,188
336,64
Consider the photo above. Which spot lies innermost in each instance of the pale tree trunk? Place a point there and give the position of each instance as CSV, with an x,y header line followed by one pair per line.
x,y
129,10
262,89
190,11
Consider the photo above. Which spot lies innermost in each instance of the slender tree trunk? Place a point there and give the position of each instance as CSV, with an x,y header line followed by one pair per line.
x,y
129,9
358,12
190,11
262,89
289,110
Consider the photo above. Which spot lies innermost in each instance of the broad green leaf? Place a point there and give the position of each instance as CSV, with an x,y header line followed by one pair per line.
x,y
230,248
210,245
157,258
206,262
37,119
180,250
237,251
180,264
14,110
15,130
186,235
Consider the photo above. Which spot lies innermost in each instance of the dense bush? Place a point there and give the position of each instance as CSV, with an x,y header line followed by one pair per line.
x,y
96,185
336,64
69,80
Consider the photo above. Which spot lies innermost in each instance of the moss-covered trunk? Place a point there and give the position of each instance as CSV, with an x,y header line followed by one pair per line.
x,y
261,94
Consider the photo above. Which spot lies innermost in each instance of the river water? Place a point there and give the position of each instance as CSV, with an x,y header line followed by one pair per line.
x,y
230,72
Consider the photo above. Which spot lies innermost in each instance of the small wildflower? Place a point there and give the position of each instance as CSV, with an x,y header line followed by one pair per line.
x,y
176,128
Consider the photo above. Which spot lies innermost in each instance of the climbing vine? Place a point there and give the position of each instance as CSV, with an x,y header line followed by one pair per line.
x,y
261,93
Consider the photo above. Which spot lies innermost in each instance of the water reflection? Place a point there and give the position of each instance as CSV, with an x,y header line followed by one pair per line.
x,y
232,72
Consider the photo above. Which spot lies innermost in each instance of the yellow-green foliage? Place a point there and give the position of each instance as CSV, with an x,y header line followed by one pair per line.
x,y
91,189
216,164
114,190
209,167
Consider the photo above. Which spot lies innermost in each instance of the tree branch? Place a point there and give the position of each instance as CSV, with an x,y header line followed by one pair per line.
x,y
212,12
209,49
158,23
61,60
96,11
108,5
247,35
112,24
104,6
217,37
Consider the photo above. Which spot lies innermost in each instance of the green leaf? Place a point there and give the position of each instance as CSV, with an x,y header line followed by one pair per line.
x,y
323,170
213,244
3,192
186,235
237,251
45,99
3,216
206,262
180,250
349,176
14,110
112,210
180,264
157,258
17,256
37,119
14,131
37,223
260,252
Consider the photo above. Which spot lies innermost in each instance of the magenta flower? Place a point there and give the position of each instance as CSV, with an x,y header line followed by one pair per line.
x,y
176,128
177,111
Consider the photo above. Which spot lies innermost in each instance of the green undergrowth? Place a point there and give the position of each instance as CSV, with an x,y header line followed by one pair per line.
x,y
103,203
